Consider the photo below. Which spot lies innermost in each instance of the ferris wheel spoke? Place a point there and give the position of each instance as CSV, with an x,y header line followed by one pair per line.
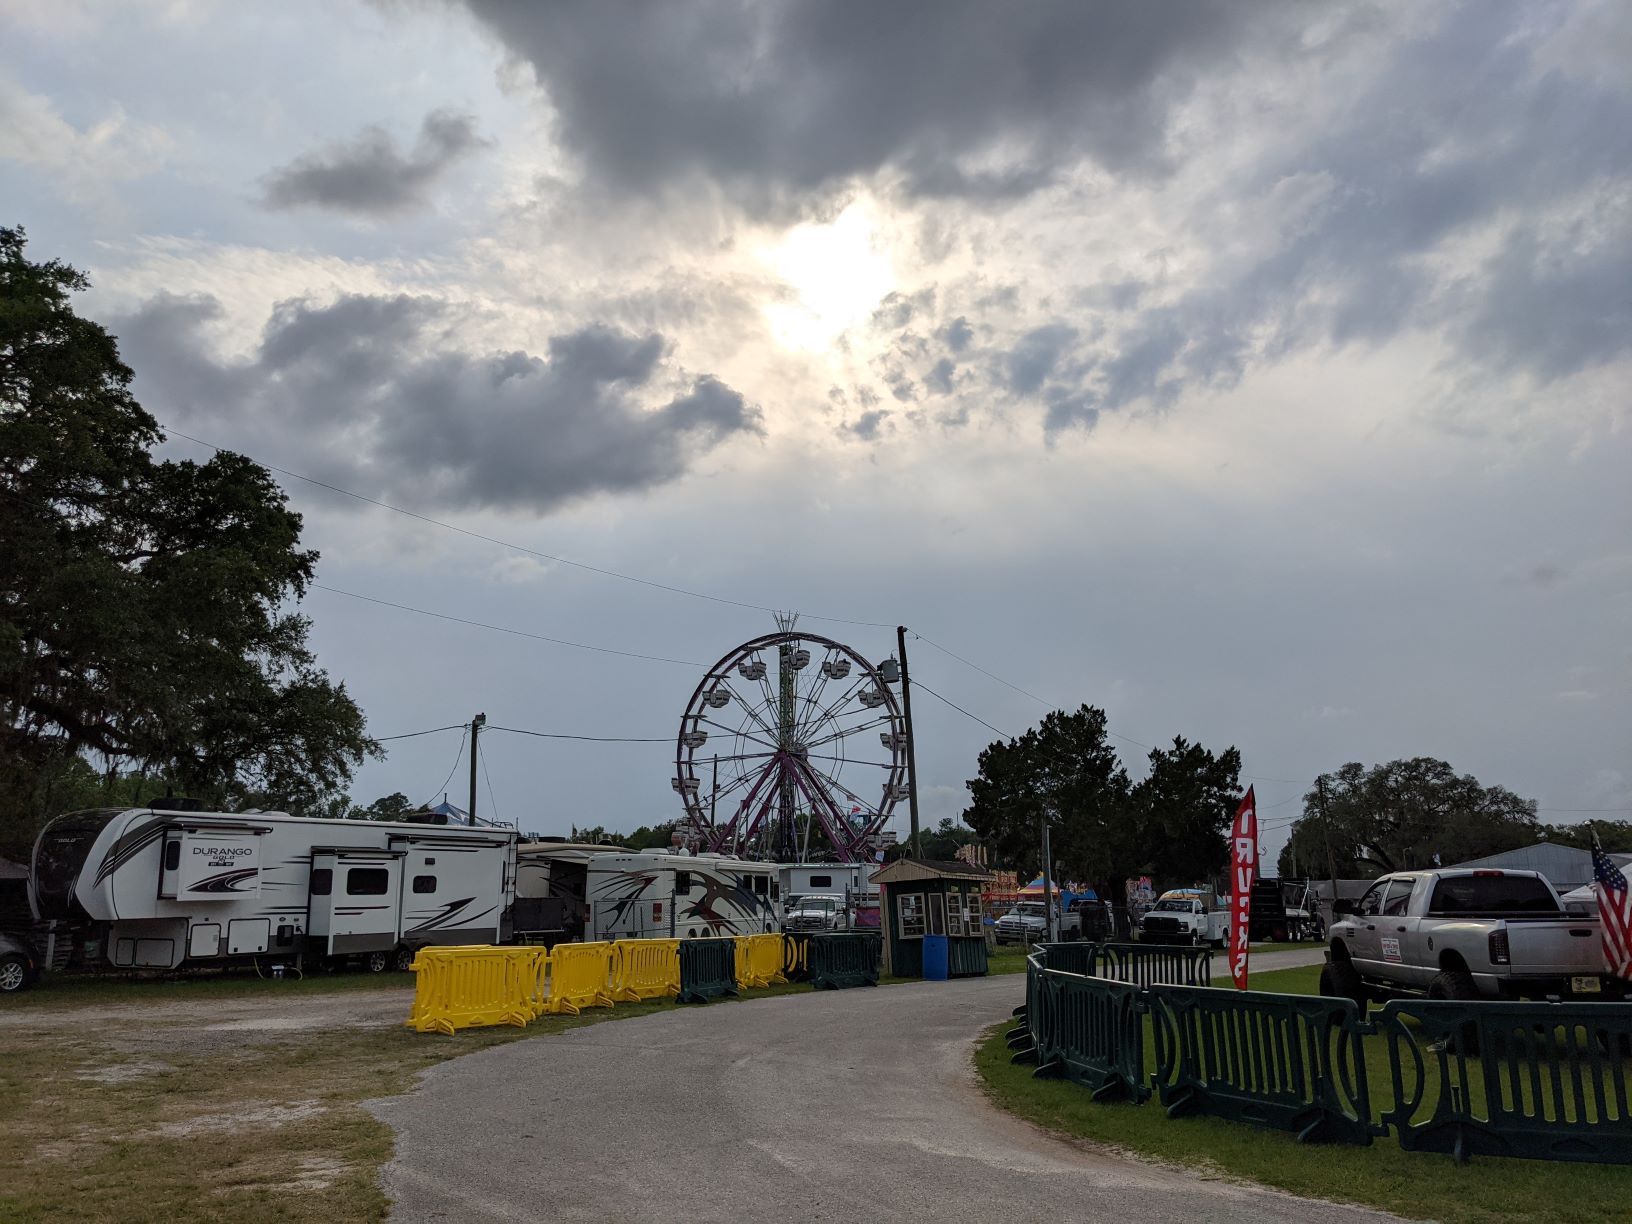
x,y
845,732
729,730
750,710
843,697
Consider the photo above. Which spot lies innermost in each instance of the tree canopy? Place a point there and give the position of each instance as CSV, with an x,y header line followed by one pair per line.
x,y
144,604
1398,816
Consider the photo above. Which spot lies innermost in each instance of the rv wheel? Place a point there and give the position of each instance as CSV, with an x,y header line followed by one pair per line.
x,y
404,959
377,962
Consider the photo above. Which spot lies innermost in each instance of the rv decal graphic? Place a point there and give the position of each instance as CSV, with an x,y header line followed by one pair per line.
x,y
623,891
715,891
226,882
448,911
129,845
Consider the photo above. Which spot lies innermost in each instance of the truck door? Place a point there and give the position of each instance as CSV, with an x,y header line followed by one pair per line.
x,y
1400,937
355,901
1364,940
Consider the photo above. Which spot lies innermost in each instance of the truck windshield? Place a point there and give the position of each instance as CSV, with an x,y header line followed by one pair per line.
x,y
1492,894
1176,905
1029,910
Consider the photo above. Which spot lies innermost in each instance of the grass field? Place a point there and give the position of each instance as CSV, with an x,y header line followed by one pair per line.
x,y
1417,1185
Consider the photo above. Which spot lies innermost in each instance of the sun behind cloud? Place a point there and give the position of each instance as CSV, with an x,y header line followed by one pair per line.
x,y
836,273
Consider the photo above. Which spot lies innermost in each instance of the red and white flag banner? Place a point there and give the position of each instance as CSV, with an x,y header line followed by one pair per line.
x,y
1243,871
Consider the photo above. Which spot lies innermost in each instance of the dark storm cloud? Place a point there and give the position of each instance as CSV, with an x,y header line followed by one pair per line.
x,y
1471,186
368,175
866,425
375,393
799,96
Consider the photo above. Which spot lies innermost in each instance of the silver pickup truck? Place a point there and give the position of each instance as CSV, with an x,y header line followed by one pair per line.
x,y
1464,934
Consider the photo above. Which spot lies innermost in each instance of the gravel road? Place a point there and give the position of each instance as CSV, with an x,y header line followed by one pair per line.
x,y
843,1105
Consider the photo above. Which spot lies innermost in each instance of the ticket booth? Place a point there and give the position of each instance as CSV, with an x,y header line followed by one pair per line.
x,y
931,897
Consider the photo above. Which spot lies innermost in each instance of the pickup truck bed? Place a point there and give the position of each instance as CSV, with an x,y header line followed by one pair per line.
x,y
1466,934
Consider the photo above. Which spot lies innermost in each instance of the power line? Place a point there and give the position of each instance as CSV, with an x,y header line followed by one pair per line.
x,y
459,756
960,709
537,637
521,548
481,755
1054,705
594,739
383,739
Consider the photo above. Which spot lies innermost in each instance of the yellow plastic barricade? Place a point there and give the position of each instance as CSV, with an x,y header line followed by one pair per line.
x,y
760,960
468,987
645,969
580,977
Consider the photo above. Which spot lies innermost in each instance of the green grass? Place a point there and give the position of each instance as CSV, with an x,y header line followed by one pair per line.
x,y
1415,1184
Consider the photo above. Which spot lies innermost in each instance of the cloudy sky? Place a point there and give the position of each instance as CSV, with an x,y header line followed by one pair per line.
x,y
1258,372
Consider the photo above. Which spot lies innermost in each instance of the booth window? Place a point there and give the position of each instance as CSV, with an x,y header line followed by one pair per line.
x,y
367,882
910,910
954,912
322,881
937,914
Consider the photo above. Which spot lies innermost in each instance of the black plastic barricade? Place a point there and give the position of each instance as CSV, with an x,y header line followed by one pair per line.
x,y
1147,964
844,960
1288,1062
1545,1080
708,969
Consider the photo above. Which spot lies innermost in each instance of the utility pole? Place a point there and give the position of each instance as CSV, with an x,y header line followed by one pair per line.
x,y
1326,831
476,725
1048,888
912,741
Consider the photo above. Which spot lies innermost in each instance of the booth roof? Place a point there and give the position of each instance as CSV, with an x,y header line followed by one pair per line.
x,y
905,869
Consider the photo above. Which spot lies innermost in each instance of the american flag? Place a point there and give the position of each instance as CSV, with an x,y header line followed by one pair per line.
x,y
1614,911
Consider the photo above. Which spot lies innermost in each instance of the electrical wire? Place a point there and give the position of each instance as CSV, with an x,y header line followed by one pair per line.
x,y
593,739
481,755
520,548
459,756
385,739
919,684
537,637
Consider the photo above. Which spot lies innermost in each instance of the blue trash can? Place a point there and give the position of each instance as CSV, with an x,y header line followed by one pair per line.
x,y
935,955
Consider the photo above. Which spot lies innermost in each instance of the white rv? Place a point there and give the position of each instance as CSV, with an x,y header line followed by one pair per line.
x,y
648,895
160,888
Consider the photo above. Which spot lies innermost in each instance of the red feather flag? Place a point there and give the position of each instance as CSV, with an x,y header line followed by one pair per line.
x,y
1243,871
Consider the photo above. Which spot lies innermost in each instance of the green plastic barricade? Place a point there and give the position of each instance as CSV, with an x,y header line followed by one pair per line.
x,y
1546,1080
708,969
1089,1030
1288,1062
840,961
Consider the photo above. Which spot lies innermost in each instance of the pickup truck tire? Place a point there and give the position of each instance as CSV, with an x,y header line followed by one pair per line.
x,y
13,974
1454,984
1339,979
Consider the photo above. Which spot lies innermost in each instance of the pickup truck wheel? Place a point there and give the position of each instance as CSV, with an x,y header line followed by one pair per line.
x,y
13,974
1339,979
1453,984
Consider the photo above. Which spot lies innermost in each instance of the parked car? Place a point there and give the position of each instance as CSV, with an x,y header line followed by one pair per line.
x,y
1185,916
1027,923
816,912
1465,934
19,967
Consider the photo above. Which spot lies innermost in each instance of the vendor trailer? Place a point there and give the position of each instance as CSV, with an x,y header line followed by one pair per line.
x,y
155,888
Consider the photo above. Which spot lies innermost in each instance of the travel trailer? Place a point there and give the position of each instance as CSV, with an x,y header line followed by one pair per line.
x,y
648,895
158,888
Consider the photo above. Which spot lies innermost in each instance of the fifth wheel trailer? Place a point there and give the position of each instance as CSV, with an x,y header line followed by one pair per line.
x,y
154,888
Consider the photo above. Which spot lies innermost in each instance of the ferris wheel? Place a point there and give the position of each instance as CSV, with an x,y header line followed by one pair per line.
x,y
792,746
